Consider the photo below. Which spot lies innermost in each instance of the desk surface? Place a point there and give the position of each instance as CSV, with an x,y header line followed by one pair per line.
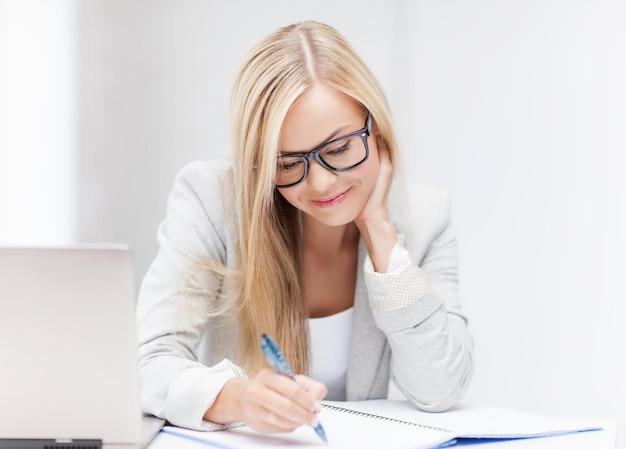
x,y
601,439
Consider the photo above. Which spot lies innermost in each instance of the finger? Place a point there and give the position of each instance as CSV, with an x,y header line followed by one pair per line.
x,y
268,421
317,389
386,167
297,402
289,401
306,392
273,422
261,408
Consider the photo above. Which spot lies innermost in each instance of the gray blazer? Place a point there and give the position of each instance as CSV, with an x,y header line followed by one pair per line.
x,y
408,325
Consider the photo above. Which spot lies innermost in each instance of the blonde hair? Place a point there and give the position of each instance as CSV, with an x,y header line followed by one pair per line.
x,y
277,71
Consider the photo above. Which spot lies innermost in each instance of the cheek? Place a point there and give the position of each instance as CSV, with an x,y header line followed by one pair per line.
x,y
289,195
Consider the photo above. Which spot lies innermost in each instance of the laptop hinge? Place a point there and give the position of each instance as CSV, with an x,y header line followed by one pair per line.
x,y
34,443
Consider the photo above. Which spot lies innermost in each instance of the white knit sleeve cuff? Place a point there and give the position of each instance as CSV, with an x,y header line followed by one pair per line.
x,y
194,391
400,286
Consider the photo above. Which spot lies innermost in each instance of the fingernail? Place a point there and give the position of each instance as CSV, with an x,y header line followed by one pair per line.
x,y
318,406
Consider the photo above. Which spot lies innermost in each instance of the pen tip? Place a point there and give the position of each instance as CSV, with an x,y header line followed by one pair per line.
x,y
320,431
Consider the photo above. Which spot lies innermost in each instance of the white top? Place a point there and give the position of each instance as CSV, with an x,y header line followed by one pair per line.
x,y
330,347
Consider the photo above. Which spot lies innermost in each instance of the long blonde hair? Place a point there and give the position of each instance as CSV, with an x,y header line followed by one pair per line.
x,y
276,72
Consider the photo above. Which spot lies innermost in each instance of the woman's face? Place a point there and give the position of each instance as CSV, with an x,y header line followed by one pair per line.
x,y
332,198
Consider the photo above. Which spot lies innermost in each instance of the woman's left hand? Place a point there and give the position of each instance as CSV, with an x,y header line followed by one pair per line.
x,y
373,221
376,207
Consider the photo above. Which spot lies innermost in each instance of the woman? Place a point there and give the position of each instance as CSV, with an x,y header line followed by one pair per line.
x,y
302,237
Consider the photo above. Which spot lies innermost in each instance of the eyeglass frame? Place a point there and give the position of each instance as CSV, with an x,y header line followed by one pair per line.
x,y
313,155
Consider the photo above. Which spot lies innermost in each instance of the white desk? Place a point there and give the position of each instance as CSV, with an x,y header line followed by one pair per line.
x,y
602,439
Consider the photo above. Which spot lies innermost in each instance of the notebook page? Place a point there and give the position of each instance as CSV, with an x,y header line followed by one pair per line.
x,y
467,421
344,430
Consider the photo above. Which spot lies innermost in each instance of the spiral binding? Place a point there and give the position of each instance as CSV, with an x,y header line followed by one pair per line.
x,y
380,417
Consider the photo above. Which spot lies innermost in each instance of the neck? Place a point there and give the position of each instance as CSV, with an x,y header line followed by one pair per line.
x,y
318,237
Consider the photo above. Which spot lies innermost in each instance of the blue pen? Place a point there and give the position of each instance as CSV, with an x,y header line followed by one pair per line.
x,y
277,360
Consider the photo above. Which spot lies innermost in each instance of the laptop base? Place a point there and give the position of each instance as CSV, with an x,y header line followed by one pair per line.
x,y
35,443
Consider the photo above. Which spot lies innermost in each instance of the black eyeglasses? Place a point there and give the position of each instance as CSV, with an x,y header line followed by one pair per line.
x,y
340,154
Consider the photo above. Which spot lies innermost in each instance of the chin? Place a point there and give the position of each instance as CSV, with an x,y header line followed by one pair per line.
x,y
335,219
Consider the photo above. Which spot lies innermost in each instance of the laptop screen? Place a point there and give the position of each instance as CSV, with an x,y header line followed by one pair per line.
x,y
68,354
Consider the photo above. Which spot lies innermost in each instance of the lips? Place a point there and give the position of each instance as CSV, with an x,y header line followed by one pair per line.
x,y
332,201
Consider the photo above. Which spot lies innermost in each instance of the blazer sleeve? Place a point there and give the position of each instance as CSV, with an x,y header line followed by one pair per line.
x,y
172,313
416,304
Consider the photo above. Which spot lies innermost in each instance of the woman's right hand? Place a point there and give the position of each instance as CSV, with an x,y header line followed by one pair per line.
x,y
268,402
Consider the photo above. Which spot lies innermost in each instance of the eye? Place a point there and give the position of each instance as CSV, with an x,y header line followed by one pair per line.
x,y
289,163
337,149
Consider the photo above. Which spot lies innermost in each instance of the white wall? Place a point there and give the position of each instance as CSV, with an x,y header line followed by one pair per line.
x,y
37,122
518,107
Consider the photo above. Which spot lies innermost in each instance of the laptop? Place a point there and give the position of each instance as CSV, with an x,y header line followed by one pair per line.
x,y
68,349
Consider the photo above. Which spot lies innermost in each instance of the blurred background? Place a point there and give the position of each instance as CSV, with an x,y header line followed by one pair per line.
x,y
517,107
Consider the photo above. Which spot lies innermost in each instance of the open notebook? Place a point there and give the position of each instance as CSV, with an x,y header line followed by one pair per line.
x,y
393,424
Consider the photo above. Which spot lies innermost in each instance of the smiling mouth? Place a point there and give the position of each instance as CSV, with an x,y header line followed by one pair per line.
x,y
333,200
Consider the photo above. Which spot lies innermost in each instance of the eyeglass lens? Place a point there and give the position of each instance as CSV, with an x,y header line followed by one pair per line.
x,y
341,154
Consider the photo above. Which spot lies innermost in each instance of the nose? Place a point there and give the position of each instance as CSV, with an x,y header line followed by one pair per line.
x,y
319,177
